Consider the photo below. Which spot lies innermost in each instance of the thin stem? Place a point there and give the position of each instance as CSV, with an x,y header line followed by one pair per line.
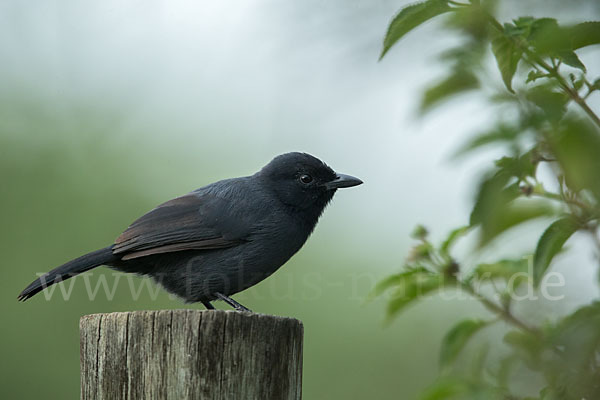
x,y
558,197
571,92
500,311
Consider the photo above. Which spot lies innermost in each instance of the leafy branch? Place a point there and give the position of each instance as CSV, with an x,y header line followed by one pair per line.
x,y
511,193
535,60
528,39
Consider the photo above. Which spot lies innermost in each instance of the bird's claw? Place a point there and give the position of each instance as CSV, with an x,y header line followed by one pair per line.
x,y
236,306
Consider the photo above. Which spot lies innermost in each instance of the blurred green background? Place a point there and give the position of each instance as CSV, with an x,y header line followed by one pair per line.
x,y
109,108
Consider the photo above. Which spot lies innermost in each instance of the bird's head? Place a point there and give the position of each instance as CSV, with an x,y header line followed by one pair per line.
x,y
302,181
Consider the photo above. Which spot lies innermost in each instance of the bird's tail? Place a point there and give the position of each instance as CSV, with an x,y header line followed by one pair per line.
x,y
69,270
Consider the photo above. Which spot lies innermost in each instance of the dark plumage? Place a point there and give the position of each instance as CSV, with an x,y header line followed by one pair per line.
x,y
222,238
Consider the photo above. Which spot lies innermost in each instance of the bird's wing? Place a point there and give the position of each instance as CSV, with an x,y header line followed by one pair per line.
x,y
191,222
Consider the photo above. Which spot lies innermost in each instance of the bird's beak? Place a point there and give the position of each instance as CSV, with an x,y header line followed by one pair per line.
x,y
342,181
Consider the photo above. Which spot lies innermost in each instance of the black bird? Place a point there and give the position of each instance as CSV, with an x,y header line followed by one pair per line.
x,y
222,238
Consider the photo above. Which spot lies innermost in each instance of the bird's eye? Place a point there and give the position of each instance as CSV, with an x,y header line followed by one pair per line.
x,y
306,179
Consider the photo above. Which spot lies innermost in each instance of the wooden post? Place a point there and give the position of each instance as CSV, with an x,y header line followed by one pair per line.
x,y
190,354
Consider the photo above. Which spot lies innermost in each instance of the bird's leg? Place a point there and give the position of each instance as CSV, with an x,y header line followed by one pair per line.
x,y
208,305
232,302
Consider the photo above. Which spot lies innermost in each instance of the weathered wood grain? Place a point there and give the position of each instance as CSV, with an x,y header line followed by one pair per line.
x,y
190,354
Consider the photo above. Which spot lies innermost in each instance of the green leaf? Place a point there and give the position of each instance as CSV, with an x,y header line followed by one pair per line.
x,y
551,393
500,133
457,388
577,340
524,22
550,243
507,270
456,339
513,214
578,82
412,287
522,27
394,280
507,56
409,18
472,21
584,34
571,59
444,389
576,145
534,75
493,194
478,363
578,335
505,369
452,237
460,81
526,347
553,104
447,388
467,56
496,210
523,210
520,166
519,28
546,37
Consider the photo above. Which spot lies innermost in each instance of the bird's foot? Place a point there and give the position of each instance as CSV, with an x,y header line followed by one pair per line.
x,y
237,306
208,305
